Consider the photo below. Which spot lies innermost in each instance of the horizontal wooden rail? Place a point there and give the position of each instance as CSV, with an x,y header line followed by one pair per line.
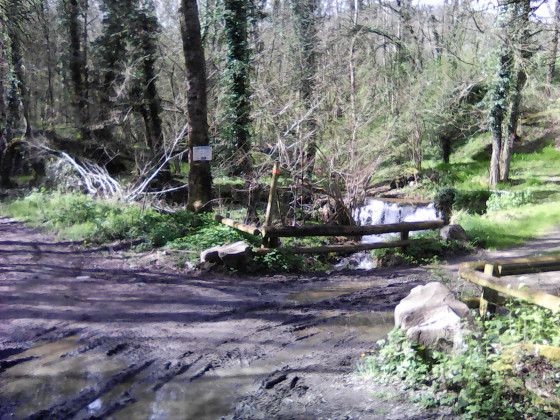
x,y
527,265
253,230
326,249
313,230
471,272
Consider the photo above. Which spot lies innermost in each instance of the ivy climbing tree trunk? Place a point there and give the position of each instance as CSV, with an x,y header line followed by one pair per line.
x,y
238,105
200,178
513,18
524,53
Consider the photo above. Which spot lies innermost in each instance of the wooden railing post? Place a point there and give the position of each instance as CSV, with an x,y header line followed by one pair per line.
x,y
404,237
489,297
271,242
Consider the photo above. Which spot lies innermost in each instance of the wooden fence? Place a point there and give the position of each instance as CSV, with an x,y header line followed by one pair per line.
x,y
487,275
270,235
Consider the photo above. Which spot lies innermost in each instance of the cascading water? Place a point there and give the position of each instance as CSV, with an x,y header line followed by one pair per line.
x,y
381,212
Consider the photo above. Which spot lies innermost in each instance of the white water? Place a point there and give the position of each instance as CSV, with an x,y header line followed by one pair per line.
x,y
379,212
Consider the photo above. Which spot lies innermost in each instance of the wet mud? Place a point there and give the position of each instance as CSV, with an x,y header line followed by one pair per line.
x,y
102,334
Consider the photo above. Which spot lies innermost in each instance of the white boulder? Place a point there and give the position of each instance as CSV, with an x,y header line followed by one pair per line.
x,y
432,317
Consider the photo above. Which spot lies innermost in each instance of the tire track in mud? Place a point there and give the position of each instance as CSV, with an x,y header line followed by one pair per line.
x,y
88,336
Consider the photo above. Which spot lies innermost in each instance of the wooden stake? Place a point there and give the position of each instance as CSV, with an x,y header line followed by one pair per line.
x,y
272,194
404,237
269,242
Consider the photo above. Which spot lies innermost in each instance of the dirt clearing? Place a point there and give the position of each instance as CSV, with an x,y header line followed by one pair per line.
x,y
105,335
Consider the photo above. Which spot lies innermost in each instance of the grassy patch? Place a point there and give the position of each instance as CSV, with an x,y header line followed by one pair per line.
x,y
80,217
507,228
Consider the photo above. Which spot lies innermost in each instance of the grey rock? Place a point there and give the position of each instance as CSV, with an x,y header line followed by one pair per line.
x,y
234,255
454,232
210,255
432,317
356,261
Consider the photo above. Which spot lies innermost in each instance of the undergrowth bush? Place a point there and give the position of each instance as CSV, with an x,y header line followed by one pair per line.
x,y
281,260
509,200
473,202
426,253
81,217
490,378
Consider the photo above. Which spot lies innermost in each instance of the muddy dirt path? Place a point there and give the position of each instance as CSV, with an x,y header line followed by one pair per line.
x,y
105,335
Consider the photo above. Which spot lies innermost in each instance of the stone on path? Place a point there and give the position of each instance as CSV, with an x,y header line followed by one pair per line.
x,y
453,232
234,255
432,317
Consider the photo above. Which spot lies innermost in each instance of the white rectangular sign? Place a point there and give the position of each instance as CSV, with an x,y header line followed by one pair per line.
x,y
202,153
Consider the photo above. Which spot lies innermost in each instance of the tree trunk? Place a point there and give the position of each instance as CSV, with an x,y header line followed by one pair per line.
x,y
238,66
77,66
18,69
49,61
496,121
200,178
554,43
305,21
522,40
4,169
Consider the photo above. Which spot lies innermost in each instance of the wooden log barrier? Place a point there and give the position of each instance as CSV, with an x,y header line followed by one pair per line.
x,y
253,230
327,249
317,230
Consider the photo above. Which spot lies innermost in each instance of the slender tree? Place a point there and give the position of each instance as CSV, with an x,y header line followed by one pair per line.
x,y
74,13
519,79
4,142
142,33
305,16
14,95
554,44
505,97
238,106
200,177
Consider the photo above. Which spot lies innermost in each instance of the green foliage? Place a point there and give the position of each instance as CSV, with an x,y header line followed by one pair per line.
x,y
209,234
471,381
78,216
81,217
428,253
473,202
507,228
509,200
281,260
443,202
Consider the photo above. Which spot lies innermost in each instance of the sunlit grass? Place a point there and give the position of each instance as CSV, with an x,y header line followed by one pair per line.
x,y
508,228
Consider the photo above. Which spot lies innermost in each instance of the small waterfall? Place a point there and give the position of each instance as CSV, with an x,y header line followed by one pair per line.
x,y
382,212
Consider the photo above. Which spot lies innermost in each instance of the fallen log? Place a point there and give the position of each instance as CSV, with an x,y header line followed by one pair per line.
x,y
326,249
253,230
313,230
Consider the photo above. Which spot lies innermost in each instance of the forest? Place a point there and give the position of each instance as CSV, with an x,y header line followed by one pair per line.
x,y
345,95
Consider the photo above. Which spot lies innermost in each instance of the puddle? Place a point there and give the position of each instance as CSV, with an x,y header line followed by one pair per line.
x,y
208,397
309,296
52,373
